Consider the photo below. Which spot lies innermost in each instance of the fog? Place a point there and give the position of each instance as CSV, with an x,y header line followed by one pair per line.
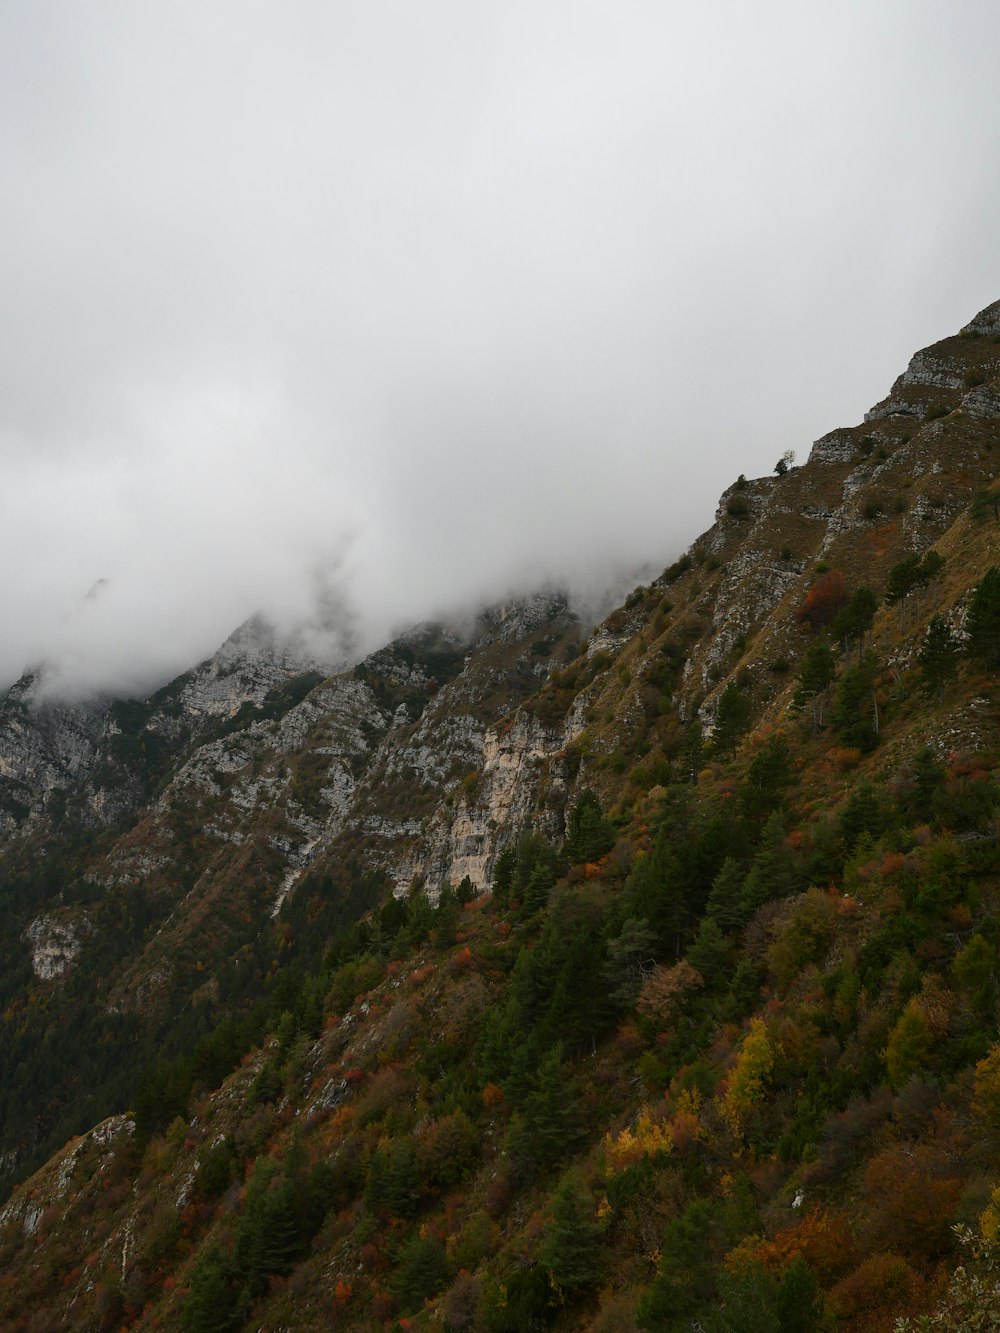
x,y
410,307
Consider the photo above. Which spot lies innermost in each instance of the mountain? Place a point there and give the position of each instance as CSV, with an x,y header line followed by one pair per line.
x,y
527,974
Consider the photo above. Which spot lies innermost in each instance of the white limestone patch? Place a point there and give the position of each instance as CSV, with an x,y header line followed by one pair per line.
x,y
55,945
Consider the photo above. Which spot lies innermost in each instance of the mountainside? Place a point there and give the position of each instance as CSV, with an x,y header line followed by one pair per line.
x,y
521,977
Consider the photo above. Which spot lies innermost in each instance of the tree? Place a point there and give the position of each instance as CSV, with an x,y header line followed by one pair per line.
x,y
784,463
421,1272
815,679
767,777
590,834
708,952
985,502
774,873
938,657
731,718
854,619
212,1304
982,624
910,1045
503,877
724,899
572,1249
855,710
824,599
749,1079
630,960
928,777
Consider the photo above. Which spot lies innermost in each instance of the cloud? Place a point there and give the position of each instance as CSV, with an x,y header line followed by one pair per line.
x,y
431,303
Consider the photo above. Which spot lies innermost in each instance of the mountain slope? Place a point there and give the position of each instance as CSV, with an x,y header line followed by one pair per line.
x,y
718,1046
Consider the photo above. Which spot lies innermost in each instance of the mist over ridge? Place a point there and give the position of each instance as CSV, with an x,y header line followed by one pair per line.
x,y
405,312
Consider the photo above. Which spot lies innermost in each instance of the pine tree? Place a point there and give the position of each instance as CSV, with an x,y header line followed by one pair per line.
x,y
855,710
589,834
572,1250
774,873
708,952
504,869
814,680
630,958
982,624
724,899
854,620
938,657
731,718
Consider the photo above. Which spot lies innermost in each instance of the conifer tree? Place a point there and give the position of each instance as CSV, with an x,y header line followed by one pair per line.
x,y
938,657
724,901
774,873
731,718
855,710
853,621
572,1250
983,621
814,680
589,834
708,952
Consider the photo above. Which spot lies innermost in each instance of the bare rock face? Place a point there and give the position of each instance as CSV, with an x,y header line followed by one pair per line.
x,y
55,943
45,747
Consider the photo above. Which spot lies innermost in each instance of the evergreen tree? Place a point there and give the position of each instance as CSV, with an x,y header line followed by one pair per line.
x,y
537,889
774,873
767,777
903,578
724,900
630,959
982,624
864,813
212,1304
708,952
572,1249
589,834
927,779
938,657
855,711
503,877
446,916
853,621
685,1278
731,718
814,680
422,1269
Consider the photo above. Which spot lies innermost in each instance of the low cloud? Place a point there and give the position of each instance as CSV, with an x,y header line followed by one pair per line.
x,y
401,308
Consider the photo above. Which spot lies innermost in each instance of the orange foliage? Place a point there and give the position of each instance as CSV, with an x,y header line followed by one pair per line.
x,y
912,1199
843,757
460,962
823,600
342,1292
821,1238
664,987
876,1290
492,1095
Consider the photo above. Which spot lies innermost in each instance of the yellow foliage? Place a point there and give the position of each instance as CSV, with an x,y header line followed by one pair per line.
x,y
749,1078
632,1145
989,1221
986,1102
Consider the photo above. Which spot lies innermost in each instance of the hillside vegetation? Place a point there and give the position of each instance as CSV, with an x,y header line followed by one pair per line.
x,y
683,1013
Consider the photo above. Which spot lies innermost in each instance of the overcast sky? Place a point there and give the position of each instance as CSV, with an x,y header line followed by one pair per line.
x,y
432,301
